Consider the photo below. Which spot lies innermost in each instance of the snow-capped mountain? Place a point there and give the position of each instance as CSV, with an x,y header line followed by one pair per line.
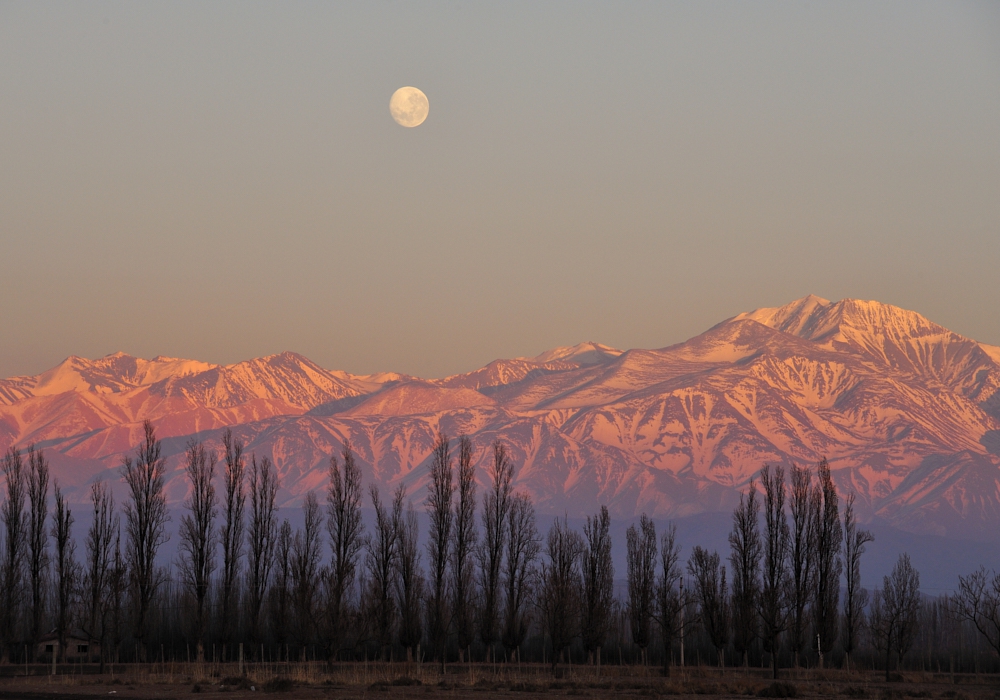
x,y
907,413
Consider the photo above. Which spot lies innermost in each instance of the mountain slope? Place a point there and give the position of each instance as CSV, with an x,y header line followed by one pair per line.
x,y
906,412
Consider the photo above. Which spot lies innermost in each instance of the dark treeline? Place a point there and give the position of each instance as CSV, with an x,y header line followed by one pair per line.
x,y
487,586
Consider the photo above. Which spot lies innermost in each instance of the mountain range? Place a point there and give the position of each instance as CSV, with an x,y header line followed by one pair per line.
x,y
906,411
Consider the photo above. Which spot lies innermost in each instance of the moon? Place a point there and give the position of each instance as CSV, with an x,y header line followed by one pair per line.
x,y
409,106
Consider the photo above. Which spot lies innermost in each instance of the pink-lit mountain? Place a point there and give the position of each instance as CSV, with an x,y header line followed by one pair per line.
x,y
907,412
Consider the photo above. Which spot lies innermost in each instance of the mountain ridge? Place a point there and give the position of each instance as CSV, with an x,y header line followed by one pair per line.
x,y
906,411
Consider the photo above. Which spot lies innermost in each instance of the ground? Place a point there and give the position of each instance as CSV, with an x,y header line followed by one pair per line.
x,y
479,681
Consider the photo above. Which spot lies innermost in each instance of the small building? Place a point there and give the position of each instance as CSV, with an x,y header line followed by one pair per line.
x,y
80,648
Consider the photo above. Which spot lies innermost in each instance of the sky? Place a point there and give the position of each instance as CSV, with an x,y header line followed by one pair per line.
x,y
224,181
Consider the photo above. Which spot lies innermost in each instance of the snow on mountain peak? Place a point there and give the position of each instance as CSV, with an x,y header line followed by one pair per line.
x,y
820,320
112,373
992,350
791,318
587,353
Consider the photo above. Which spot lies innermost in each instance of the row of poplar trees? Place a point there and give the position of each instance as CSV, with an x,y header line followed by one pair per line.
x,y
785,579
240,576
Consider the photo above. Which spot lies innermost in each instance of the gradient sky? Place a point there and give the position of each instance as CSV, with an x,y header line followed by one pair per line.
x,y
223,180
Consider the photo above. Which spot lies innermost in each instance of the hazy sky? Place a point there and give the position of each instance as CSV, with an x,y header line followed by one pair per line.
x,y
223,180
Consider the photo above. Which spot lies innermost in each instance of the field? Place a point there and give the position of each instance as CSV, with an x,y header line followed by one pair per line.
x,y
468,681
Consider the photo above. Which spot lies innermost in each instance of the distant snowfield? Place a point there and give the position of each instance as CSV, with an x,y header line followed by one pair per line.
x,y
897,404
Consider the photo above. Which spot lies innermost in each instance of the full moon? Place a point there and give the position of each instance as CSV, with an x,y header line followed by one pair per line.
x,y
409,106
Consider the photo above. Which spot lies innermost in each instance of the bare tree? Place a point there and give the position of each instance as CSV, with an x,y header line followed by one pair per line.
x,y
892,620
382,559
829,537
262,534
346,539
198,536
856,597
281,591
119,582
744,557
306,547
712,594
560,586
463,547
38,540
802,557
410,584
598,583
232,532
440,492
67,570
519,570
775,581
145,524
977,600
101,538
496,506
641,562
15,523
671,599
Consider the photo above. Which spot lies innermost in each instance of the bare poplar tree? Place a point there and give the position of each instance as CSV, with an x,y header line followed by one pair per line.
x,y
281,592
346,539
119,581
67,570
977,600
38,541
519,570
496,506
829,538
670,596
712,594
15,523
560,586
382,559
262,534
101,539
198,537
856,597
802,557
892,620
410,584
745,546
463,548
440,492
232,531
598,583
775,580
145,523
641,561
306,548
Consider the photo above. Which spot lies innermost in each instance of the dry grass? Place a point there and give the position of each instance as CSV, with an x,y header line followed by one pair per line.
x,y
485,680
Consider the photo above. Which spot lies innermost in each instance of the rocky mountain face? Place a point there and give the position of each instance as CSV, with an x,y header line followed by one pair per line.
x,y
906,412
